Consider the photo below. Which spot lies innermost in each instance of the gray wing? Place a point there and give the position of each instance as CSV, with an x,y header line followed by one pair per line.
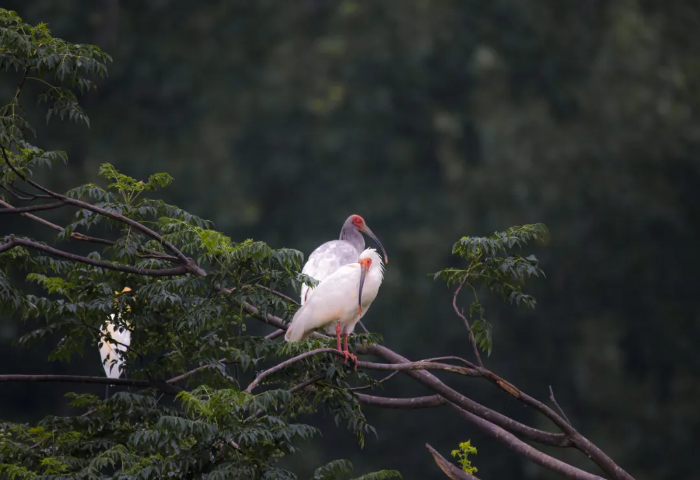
x,y
325,260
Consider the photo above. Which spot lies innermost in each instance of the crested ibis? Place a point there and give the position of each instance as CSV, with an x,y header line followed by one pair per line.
x,y
340,300
332,255
112,353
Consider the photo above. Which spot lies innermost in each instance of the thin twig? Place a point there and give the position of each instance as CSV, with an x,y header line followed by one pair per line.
x,y
87,238
275,334
306,383
192,372
30,196
466,322
554,401
279,294
362,326
436,359
360,364
366,387
20,85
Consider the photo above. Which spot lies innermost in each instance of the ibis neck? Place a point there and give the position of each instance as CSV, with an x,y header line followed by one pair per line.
x,y
351,235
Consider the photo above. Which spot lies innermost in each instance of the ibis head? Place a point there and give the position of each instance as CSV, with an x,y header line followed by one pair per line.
x,y
351,233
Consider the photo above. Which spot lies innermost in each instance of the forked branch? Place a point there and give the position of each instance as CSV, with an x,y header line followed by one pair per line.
x,y
189,264
491,421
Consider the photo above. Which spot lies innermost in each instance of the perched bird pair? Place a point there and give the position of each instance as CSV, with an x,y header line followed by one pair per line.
x,y
344,268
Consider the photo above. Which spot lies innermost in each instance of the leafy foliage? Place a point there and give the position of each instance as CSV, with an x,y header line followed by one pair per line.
x,y
492,265
189,332
462,455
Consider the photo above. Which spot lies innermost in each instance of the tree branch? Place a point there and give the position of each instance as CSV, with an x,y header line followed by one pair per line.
x,y
151,272
449,468
466,322
33,208
524,449
187,263
432,382
366,387
360,364
162,386
275,334
192,372
76,235
507,423
401,403
554,401
571,438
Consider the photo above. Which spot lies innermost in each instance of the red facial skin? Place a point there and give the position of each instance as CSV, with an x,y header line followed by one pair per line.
x,y
358,221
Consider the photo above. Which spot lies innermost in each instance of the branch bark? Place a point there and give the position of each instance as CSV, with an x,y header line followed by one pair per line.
x,y
448,468
360,364
151,272
162,386
401,403
187,263
32,208
524,449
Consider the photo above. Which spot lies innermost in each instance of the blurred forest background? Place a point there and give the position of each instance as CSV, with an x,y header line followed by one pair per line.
x,y
433,120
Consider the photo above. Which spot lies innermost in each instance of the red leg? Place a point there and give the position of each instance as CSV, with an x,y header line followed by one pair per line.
x,y
337,335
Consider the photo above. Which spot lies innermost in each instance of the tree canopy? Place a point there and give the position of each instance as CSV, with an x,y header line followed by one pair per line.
x,y
463,118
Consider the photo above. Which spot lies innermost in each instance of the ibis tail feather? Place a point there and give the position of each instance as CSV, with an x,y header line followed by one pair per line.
x,y
296,331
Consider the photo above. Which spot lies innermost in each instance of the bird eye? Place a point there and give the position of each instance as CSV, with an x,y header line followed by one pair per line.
x,y
357,220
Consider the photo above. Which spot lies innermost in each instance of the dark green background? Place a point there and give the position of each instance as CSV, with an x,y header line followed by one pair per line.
x,y
433,120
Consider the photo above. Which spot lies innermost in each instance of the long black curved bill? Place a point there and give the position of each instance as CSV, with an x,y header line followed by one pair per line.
x,y
363,273
376,240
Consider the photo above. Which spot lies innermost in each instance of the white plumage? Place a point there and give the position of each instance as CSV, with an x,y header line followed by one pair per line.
x,y
113,353
335,301
325,260
332,255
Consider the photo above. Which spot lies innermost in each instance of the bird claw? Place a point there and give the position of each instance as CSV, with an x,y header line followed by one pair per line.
x,y
352,357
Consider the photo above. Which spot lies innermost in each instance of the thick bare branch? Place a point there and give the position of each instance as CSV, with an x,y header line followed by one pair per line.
x,y
401,403
162,386
432,382
448,468
571,438
507,423
512,442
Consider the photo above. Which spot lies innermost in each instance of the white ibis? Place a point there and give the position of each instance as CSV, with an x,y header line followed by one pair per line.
x,y
112,353
334,304
332,255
